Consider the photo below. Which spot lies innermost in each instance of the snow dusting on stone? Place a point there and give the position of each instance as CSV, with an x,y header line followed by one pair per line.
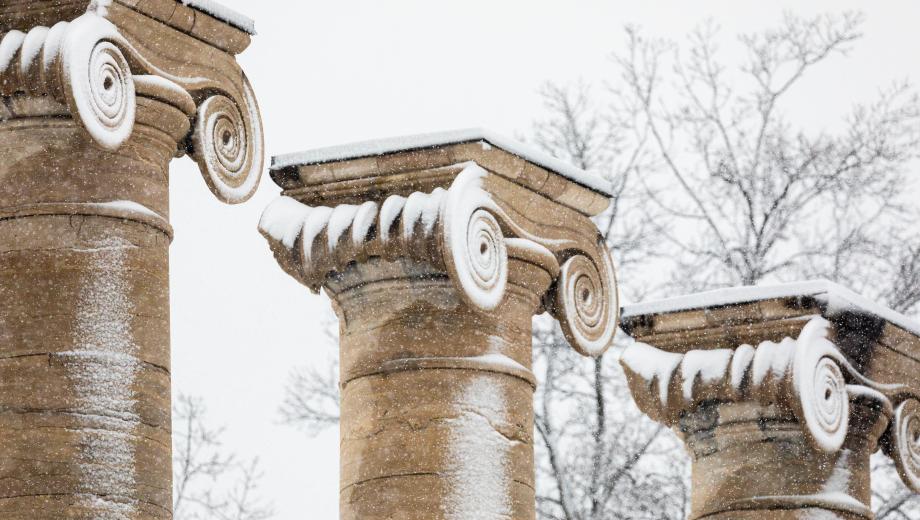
x,y
283,220
837,299
706,366
772,358
729,372
364,221
129,207
479,477
341,218
224,14
424,208
100,7
839,481
655,366
502,361
478,254
390,210
315,223
102,367
473,244
434,140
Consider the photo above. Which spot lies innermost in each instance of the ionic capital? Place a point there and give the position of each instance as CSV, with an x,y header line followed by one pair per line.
x,y
809,374
101,62
464,203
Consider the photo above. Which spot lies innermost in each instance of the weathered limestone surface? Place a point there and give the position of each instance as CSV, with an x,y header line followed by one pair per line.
x,y
436,260
97,98
436,396
781,395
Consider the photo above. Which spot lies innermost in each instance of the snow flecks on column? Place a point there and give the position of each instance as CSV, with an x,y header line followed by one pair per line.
x,y
479,456
836,488
102,367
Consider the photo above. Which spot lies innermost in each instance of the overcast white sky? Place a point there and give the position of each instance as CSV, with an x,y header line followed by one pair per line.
x,y
331,72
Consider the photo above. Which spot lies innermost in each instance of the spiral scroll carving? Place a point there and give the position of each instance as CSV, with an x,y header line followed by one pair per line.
x,y
904,442
472,241
586,303
228,146
103,94
481,261
823,402
79,63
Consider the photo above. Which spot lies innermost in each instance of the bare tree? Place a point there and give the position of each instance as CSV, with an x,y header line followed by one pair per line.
x,y
209,484
891,500
751,196
597,455
311,398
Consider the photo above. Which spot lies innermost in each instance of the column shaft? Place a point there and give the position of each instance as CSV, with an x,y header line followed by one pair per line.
x,y
84,322
437,414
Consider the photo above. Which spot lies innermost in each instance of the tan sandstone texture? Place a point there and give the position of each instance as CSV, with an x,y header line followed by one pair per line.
x,y
97,98
781,395
436,253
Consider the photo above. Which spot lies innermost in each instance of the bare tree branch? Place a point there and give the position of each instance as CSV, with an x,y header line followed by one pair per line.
x,y
209,484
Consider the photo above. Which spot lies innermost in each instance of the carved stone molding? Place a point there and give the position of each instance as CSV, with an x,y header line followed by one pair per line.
x,y
436,252
807,375
100,62
469,228
459,229
902,441
806,380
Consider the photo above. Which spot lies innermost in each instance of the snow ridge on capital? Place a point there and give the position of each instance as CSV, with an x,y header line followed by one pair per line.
x,y
224,14
433,140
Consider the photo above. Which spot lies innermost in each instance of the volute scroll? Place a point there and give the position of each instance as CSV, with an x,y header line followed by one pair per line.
x,y
89,65
586,302
80,63
902,441
227,143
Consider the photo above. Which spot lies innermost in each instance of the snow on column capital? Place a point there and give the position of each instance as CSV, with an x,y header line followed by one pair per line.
x,y
437,251
793,387
98,97
463,201
114,64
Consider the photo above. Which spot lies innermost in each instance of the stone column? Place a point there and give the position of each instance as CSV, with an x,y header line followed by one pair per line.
x,y
437,251
781,395
97,98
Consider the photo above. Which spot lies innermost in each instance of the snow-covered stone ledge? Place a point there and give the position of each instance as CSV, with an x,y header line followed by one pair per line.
x,y
98,96
437,251
781,393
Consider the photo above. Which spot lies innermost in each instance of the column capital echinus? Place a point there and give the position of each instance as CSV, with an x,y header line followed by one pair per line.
x,y
781,395
114,65
464,203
